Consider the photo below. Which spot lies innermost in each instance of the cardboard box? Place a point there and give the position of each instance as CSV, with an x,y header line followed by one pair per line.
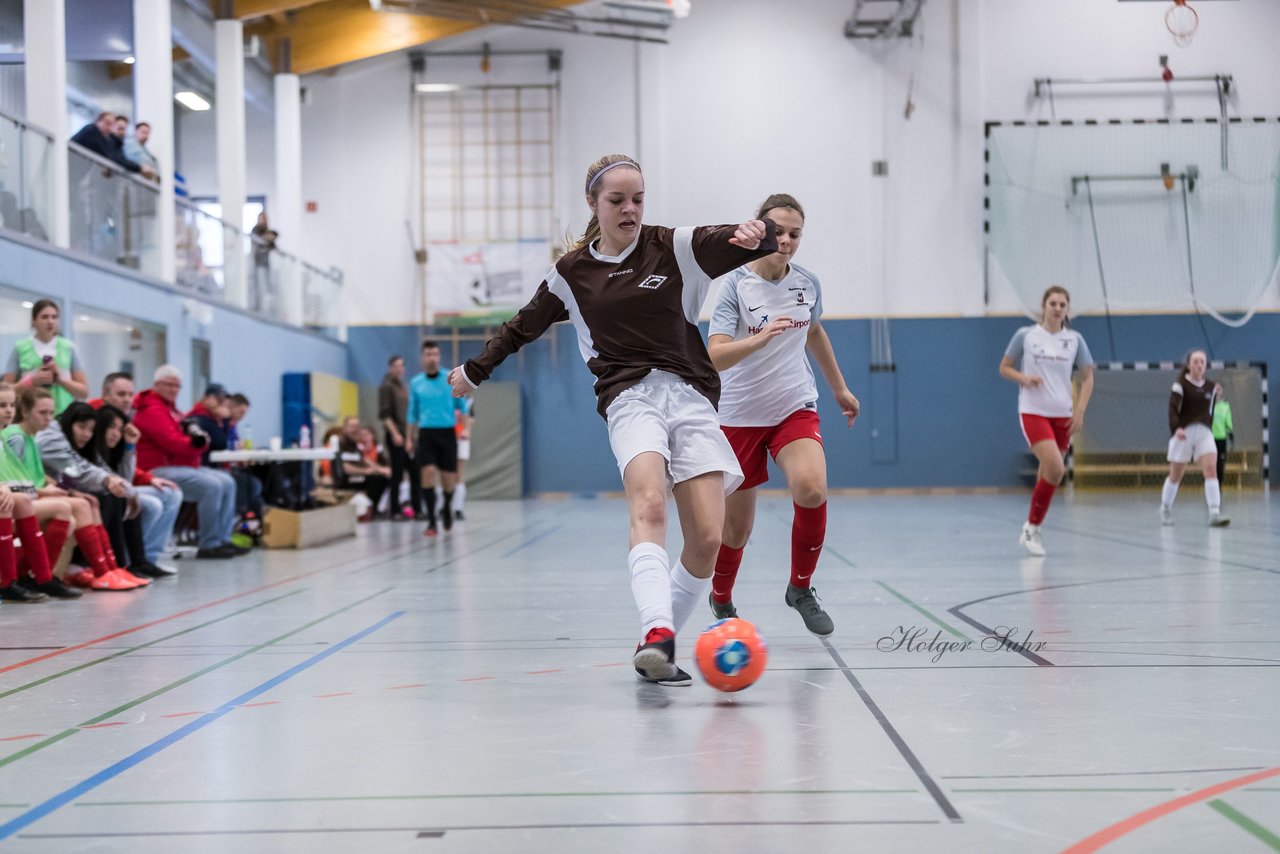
x,y
288,529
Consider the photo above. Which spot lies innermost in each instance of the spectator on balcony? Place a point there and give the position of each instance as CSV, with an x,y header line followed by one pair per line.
x,y
171,446
100,138
48,359
135,148
264,240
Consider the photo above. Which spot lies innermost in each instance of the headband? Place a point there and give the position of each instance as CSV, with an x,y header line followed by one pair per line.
x,y
596,177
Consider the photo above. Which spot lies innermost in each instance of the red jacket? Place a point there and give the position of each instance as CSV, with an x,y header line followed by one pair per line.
x,y
163,442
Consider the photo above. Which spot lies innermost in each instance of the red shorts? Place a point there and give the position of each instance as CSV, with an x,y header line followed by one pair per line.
x,y
753,445
1041,428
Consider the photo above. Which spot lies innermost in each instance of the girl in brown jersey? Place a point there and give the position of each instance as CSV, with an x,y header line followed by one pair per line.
x,y
634,293
1190,422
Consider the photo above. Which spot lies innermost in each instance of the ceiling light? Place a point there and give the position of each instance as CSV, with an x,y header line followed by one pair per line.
x,y
191,101
28,304
436,87
129,60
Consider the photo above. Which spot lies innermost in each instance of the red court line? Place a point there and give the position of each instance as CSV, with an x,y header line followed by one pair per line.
x,y
124,632
414,685
335,694
21,737
478,679
182,714
540,672
256,705
1110,834
104,725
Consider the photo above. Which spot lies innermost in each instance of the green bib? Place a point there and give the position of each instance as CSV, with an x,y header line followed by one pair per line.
x,y
29,360
29,463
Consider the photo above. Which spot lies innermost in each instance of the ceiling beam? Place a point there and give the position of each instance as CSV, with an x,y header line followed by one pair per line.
x,y
247,9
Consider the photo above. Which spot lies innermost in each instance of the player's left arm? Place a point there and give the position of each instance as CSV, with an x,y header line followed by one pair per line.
x,y
820,346
1082,399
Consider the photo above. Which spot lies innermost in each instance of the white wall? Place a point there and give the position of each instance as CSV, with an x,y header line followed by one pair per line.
x,y
752,97
198,155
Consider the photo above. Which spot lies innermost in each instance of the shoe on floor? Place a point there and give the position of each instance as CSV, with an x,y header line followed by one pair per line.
x,y
655,658
722,612
1217,520
112,581
16,592
56,588
79,577
457,514
221,552
431,531
1030,539
152,570
805,600
138,581
679,679
1166,515
446,520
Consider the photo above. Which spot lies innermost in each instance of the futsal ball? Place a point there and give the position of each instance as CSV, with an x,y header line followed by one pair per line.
x,y
731,654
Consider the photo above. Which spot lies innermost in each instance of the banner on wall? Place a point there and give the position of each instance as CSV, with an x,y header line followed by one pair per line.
x,y
475,284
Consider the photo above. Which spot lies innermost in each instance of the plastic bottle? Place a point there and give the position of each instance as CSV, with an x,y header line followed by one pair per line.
x,y
246,437
304,437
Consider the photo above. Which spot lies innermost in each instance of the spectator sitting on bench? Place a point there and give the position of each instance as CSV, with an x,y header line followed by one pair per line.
x,y
171,446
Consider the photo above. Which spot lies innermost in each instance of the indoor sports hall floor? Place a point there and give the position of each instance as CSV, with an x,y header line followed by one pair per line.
x,y
391,693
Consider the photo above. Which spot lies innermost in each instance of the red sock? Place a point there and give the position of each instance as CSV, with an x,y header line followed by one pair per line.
x,y
56,532
36,552
104,540
808,532
659,635
1041,497
727,563
87,540
8,555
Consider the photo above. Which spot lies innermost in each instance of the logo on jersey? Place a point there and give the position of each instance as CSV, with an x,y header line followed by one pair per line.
x,y
622,272
757,308
652,283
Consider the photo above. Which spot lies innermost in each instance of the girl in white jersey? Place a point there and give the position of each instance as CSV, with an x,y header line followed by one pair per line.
x,y
766,315
633,293
1040,359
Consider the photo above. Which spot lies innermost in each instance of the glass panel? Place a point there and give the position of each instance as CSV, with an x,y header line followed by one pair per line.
x,y
113,213
24,178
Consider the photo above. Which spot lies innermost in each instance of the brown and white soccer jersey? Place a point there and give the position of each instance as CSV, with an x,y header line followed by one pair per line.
x,y
633,313
1191,410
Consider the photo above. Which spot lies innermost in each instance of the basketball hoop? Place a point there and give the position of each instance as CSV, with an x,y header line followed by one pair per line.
x,y
1182,22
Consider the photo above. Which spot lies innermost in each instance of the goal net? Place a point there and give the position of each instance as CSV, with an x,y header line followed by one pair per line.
x,y
1126,432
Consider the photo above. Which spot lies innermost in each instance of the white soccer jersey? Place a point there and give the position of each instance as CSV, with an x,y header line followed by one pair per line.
x,y
770,384
1036,351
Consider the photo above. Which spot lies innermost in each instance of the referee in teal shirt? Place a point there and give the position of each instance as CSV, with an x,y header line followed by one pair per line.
x,y
435,412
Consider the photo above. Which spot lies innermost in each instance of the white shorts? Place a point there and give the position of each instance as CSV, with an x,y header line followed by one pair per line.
x,y
1198,443
664,414
464,449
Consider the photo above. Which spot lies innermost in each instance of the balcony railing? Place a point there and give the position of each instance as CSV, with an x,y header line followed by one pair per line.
x,y
113,212
26,182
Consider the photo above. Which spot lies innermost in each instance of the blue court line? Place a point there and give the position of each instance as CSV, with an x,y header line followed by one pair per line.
x,y
532,540
60,800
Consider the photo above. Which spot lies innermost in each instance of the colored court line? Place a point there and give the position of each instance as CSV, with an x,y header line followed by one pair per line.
x,y
131,649
499,795
65,797
928,614
67,733
66,649
917,767
1110,834
1082,789
1248,825
532,540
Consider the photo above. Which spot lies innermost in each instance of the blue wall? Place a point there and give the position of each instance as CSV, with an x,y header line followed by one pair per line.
x,y
956,418
249,354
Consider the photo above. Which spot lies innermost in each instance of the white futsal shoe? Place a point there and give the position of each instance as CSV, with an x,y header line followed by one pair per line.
x,y
1217,520
1166,515
1030,539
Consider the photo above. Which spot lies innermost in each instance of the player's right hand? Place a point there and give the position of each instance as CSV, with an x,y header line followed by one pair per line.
x,y
775,327
1032,381
461,388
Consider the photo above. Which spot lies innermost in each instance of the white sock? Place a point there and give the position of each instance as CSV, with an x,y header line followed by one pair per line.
x,y
459,496
651,586
1169,493
687,590
1213,495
